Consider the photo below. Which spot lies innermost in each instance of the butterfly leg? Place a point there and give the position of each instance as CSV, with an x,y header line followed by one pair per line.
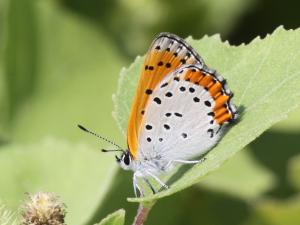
x,y
149,184
185,161
136,187
158,180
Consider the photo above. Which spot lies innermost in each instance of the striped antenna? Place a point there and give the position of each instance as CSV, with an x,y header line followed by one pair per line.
x,y
102,138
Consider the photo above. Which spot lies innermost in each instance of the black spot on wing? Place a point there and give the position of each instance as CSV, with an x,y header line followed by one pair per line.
x,y
182,88
176,78
211,114
207,103
157,100
169,94
183,61
168,114
160,63
196,99
164,85
192,90
167,127
211,131
168,65
148,91
178,114
148,127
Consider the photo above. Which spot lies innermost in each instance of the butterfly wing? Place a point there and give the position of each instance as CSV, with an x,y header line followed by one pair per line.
x,y
185,115
166,53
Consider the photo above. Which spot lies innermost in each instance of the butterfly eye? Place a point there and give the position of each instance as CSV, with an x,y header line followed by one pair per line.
x,y
126,159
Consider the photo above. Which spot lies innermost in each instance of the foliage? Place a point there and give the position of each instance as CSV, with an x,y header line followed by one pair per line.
x,y
261,74
7,217
116,218
59,66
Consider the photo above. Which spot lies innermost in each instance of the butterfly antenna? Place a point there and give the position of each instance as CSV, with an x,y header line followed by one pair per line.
x,y
112,150
103,138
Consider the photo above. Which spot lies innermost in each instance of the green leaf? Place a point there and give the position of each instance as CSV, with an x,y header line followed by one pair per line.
x,y
292,124
127,84
143,22
4,101
294,171
241,176
77,73
7,217
20,52
276,212
116,218
264,75
79,174
196,206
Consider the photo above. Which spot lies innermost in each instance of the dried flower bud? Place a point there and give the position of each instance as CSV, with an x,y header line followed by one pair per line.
x,y
43,209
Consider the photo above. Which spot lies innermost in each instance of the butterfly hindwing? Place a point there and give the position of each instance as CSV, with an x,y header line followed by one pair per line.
x,y
167,53
185,114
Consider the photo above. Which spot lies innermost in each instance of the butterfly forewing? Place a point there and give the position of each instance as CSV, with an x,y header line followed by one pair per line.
x,y
166,54
185,114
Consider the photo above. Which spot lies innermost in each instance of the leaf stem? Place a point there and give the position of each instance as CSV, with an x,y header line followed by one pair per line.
x,y
142,213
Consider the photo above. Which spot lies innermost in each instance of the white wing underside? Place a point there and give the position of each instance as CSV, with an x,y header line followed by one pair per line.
x,y
192,132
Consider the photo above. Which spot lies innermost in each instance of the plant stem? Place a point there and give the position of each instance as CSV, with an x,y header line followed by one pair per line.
x,y
142,213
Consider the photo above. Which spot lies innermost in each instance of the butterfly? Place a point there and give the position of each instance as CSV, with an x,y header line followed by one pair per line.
x,y
180,111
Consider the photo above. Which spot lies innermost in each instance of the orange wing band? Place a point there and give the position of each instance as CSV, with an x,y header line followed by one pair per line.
x,y
223,111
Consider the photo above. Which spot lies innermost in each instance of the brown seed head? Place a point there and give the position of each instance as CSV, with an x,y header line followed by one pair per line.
x,y
43,208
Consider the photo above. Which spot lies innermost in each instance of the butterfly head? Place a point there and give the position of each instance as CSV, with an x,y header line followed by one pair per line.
x,y
125,160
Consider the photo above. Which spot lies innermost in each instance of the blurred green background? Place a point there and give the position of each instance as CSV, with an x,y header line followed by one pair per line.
x,y
59,66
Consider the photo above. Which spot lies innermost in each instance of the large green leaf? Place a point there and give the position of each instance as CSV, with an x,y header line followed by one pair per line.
x,y
143,18
116,218
264,75
3,105
294,171
77,173
292,124
20,52
276,212
242,176
4,101
77,71
196,206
